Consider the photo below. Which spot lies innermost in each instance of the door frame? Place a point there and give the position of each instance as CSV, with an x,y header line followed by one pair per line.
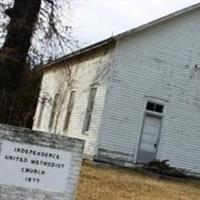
x,y
154,114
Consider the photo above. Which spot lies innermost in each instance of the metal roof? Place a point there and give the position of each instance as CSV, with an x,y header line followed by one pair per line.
x,y
122,35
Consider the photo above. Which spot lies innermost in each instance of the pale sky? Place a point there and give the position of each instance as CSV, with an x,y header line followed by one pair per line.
x,y
94,20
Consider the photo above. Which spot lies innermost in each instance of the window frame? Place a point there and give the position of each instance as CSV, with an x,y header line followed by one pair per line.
x,y
89,110
41,111
53,111
69,109
154,112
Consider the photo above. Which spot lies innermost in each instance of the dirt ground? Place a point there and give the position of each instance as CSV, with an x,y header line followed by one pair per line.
x,y
100,182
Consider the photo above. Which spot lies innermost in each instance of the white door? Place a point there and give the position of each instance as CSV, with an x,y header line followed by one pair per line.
x,y
149,139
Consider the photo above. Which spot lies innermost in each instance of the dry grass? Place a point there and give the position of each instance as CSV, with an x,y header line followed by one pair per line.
x,y
102,183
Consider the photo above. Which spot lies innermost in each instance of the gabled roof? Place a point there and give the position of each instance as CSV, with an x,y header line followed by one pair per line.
x,y
122,35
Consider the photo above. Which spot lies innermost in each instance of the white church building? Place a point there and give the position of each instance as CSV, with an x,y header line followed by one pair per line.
x,y
133,98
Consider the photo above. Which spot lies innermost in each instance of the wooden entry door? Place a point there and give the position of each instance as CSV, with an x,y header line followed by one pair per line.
x,y
149,139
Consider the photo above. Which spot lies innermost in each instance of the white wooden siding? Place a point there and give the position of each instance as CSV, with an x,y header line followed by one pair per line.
x,y
158,63
93,69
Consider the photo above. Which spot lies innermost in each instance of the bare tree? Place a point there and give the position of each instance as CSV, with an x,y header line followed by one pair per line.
x,y
33,30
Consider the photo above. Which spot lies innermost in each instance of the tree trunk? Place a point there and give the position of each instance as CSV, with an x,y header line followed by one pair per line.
x,y
23,17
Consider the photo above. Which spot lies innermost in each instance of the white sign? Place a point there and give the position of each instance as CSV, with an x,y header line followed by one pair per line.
x,y
31,166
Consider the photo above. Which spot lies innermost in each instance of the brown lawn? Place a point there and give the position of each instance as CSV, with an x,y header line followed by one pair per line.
x,y
105,182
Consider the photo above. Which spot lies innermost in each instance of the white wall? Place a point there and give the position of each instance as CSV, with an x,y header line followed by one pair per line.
x,y
87,70
158,63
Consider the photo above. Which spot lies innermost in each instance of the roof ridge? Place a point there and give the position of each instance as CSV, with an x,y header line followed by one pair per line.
x,y
123,34
158,20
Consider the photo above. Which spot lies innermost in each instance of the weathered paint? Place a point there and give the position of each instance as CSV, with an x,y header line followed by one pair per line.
x,y
88,70
38,140
161,64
